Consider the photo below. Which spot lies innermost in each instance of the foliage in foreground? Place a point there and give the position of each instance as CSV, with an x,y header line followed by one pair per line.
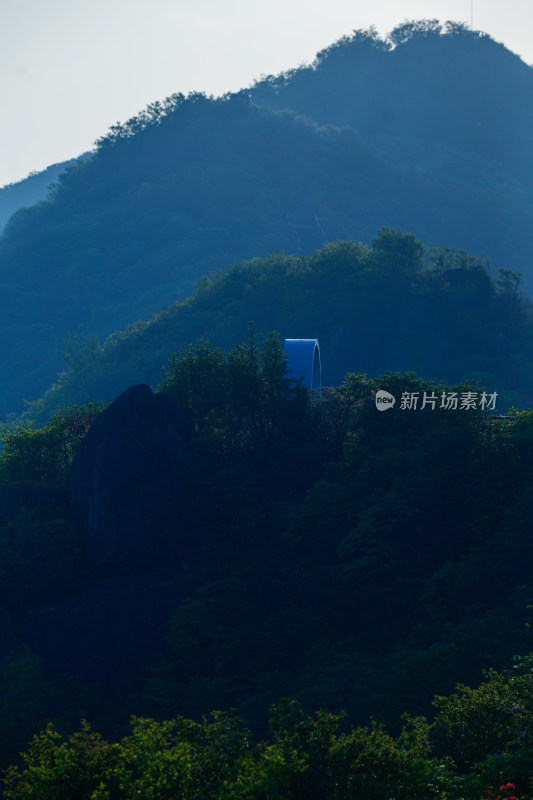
x,y
352,563
479,744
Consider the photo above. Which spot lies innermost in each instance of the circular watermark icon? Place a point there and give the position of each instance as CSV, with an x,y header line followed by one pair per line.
x,y
384,400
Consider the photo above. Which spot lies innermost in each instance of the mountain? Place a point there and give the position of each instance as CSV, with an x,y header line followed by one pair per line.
x,y
374,134
422,89
30,190
391,305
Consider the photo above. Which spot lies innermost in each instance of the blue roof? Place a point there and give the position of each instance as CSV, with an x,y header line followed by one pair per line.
x,y
304,361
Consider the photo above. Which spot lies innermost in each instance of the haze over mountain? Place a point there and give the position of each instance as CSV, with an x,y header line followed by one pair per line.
x,y
427,132
30,190
462,90
392,306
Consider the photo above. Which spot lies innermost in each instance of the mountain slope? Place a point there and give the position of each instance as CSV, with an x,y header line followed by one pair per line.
x,y
30,190
456,88
194,184
394,305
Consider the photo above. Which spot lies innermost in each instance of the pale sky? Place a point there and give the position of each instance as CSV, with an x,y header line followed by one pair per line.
x,y
69,69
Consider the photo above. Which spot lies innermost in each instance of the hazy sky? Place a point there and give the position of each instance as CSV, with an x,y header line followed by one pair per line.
x,y
71,68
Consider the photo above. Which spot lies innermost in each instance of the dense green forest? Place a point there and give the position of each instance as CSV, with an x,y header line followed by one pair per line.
x,y
455,84
353,560
392,305
425,131
30,190
213,582
467,753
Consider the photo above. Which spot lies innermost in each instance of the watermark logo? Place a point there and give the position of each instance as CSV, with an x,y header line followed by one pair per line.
x,y
384,400
415,401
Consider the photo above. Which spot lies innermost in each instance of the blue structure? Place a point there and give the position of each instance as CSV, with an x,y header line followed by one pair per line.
x,y
304,361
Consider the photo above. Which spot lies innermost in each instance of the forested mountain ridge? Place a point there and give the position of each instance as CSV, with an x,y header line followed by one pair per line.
x,y
393,304
30,190
425,84
194,184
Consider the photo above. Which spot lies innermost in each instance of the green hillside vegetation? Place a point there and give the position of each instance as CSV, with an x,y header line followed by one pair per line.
x,y
372,565
467,753
30,190
458,78
391,305
377,133
350,559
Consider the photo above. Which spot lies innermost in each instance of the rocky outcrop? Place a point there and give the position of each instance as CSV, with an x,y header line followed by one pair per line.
x,y
126,472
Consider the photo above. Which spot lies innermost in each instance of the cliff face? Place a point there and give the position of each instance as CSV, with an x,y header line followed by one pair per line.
x,y
122,484
125,472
